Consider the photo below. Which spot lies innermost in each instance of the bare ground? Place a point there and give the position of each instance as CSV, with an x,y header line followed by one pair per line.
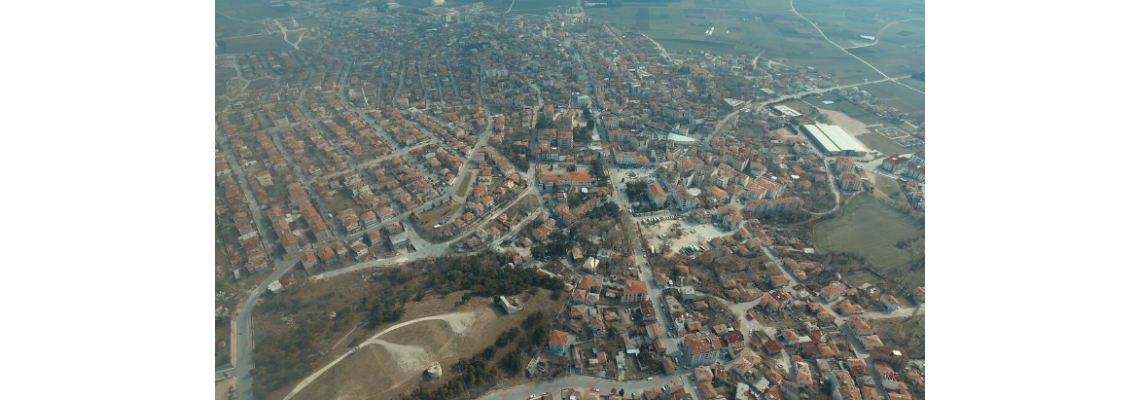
x,y
851,125
220,388
395,362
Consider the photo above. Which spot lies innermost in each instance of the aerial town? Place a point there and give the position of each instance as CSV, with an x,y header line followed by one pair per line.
x,y
444,201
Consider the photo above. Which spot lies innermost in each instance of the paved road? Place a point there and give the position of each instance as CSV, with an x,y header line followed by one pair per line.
x,y
426,251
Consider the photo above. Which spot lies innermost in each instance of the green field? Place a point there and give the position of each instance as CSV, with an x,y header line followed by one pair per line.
x,y
253,44
752,26
845,107
898,96
870,228
876,141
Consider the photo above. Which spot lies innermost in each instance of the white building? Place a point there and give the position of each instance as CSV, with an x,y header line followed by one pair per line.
x,y
834,141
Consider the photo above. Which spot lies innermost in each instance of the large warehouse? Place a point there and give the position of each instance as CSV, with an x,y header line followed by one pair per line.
x,y
834,141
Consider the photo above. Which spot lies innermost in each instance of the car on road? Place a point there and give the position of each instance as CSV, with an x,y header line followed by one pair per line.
x,y
650,378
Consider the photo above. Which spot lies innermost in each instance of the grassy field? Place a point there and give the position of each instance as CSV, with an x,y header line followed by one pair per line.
x,y
222,333
845,107
534,6
875,141
752,26
898,96
387,369
527,205
870,228
261,83
885,186
259,43
465,185
432,217
906,332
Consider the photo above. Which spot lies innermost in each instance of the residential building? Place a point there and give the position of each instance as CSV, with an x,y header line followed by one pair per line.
x,y
736,343
308,261
850,181
656,195
634,291
844,164
832,292
558,340
918,295
894,163
562,180
700,348
889,302
860,326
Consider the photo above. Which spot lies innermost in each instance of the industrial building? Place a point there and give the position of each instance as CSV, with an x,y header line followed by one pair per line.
x,y
834,141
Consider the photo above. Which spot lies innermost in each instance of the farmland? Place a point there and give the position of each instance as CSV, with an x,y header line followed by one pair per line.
x,y
754,26
846,107
870,228
257,43
898,96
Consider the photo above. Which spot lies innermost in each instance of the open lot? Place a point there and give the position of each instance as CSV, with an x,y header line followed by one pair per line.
x,y
876,141
870,228
427,220
222,342
701,233
465,185
259,43
396,361
846,107
906,332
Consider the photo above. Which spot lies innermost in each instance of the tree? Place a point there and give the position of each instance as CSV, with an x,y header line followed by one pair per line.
x,y
539,336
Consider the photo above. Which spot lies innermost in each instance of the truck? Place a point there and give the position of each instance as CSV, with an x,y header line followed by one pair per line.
x,y
750,316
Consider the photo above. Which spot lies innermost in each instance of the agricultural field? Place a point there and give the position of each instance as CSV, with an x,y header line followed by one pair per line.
x,y
258,43
754,26
875,141
872,229
898,96
845,107
540,7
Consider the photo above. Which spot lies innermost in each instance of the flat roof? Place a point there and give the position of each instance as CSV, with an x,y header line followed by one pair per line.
x,y
680,138
788,111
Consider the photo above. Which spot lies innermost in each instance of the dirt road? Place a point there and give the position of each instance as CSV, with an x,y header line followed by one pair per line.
x,y
457,321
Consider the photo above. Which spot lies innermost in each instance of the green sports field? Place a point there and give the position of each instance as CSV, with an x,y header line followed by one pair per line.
x,y
870,228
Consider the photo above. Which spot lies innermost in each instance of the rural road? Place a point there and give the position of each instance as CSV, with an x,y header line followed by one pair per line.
x,y
792,3
452,319
880,32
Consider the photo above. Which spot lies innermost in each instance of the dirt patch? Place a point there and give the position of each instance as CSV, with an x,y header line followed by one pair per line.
x,y
851,125
222,389
393,362
907,332
409,358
